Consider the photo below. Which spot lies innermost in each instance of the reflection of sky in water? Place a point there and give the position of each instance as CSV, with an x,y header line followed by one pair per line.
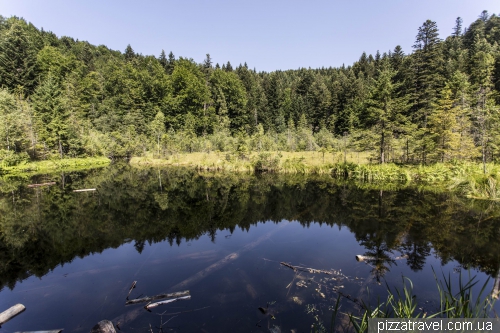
x,y
85,291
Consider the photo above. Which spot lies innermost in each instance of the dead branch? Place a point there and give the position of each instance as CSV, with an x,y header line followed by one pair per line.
x,y
161,296
149,306
131,288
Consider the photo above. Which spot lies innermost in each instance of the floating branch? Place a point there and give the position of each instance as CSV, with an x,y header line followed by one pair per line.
x,y
161,296
85,190
306,269
154,305
42,184
11,313
131,288
360,257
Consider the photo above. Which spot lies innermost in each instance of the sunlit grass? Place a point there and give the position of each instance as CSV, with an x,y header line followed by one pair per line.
x,y
455,301
464,177
47,166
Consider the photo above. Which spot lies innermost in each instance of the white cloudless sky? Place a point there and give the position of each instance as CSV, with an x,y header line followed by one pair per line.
x,y
267,34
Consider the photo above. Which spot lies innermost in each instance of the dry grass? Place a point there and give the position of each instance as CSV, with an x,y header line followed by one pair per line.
x,y
226,161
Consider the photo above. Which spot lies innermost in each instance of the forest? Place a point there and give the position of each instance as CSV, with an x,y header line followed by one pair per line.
x,y
439,102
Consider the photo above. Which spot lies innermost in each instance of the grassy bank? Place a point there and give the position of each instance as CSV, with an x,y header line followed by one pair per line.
x,y
70,164
466,178
308,162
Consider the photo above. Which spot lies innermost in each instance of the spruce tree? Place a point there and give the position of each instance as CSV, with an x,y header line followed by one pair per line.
x,y
129,53
163,59
17,60
443,127
457,30
170,63
428,78
51,115
385,109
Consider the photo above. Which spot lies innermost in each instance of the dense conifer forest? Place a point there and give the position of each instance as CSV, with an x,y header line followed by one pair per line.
x,y
438,102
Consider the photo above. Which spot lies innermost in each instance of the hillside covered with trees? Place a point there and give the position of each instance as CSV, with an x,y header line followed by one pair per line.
x,y
438,102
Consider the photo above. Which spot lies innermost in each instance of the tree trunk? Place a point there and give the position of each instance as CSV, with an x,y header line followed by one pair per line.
x,y
407,151
483,151
158,146
60,148
382,144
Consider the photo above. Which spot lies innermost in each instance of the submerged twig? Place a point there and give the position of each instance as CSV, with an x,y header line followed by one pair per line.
x,y
181,312
131,288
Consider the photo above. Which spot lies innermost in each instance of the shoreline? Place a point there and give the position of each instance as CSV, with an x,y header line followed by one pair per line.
x,y
465,178
48,166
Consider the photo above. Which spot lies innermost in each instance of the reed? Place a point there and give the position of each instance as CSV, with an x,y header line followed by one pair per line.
x,y
455,302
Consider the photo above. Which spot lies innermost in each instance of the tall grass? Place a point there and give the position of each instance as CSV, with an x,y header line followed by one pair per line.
x,y
463,177
454,302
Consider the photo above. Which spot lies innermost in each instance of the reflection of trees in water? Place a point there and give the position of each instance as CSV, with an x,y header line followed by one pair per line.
x,y
41,228
416,253
380,259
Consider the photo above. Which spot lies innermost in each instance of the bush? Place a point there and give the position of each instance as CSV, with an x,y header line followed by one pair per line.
x,y
9,158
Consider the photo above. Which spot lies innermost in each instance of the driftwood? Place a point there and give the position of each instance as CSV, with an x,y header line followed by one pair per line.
x,y
50,331
42,184
11,313
226,260
85,190
360,257
306,269
154,305
161,296
131,288
104,326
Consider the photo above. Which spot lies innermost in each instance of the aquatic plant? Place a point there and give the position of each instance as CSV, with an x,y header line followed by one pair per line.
x,y
403,303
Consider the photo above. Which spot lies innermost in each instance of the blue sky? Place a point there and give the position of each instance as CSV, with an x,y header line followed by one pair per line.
x,y
267,34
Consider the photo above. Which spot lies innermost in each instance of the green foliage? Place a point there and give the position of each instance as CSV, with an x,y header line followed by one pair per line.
x,y
437,104
9,158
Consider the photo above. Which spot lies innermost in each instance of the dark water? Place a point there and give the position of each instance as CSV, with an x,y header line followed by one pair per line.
x,y
70,258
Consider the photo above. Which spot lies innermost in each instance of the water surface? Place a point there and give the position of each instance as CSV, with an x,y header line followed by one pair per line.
x,y
70,258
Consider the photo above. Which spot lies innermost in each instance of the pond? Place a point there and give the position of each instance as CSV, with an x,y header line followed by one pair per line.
x,y
71,257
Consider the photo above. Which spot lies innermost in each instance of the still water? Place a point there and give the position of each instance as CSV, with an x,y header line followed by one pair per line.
x,y
71,257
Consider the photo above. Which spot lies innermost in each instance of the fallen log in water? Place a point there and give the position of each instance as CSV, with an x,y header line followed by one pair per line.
x,y
50,331
161,296
131,288
85,190
11,313
224,261
306,269
42,184
104,326
360,257
154,305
